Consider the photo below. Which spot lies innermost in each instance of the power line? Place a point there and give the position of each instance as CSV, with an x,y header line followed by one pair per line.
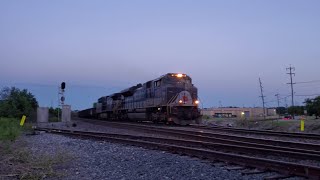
x,y
308,87
270,92
279,99
304,82
308,95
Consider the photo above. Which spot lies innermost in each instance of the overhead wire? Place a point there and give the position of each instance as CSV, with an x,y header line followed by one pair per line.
x,y
309,85
305,82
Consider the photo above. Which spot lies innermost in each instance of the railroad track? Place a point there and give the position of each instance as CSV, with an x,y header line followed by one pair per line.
x,y
212,151
260,132
215,137
311,136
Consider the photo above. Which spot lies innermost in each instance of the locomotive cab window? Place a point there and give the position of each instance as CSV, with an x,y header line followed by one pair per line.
x,y
157,83
149,84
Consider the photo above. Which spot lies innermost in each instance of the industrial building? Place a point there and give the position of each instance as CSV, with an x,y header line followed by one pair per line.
x,y
229,112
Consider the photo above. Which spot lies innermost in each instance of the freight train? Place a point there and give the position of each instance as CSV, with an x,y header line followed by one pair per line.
x,y
171,98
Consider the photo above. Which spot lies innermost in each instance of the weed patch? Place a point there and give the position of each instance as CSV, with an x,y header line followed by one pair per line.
x,y
9,129
19,163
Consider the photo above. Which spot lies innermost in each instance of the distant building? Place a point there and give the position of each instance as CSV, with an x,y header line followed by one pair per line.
x,y
238,112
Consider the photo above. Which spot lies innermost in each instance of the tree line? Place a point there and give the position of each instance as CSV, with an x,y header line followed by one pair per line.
x,y
14,103
311,108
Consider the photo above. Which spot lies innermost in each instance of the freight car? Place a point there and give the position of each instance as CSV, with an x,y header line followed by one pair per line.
x,y
88,113
171,98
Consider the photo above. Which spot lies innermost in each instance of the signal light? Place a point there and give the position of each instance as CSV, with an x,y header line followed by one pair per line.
x,y
197,102
63,85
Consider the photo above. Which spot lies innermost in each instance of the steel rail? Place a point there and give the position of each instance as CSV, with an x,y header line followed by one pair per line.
x,y
261,132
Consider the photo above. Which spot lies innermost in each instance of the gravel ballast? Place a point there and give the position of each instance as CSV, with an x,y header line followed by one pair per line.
x,y
102,160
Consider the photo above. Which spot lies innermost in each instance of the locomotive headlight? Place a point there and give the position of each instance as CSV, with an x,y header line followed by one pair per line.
x,y
197,102
179,75
180,101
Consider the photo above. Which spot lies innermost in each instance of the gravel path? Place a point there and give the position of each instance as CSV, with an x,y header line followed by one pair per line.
x,y
103,160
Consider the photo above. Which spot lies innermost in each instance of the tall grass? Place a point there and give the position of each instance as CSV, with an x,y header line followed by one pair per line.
x,y
9,128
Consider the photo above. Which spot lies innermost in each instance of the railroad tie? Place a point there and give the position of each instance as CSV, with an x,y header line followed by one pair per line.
x,y
235,168
255,171
279,176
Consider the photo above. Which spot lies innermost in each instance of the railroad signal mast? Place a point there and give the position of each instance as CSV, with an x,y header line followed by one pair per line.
x,y
62,87
61,97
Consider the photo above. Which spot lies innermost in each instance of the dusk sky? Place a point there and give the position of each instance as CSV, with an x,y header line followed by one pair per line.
x,y
100,47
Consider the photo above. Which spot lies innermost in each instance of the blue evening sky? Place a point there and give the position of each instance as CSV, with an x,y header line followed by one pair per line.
x,y
99,47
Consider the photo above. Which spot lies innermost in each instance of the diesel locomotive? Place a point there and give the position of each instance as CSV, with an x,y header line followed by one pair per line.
x,y
171,98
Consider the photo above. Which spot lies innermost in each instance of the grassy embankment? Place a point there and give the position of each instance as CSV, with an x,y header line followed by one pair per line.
x,y
17,162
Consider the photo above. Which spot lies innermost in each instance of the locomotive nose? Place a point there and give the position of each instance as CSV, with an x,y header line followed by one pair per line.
x,y
184,98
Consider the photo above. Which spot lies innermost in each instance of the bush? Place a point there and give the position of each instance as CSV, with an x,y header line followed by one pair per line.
x,y
15,102
205,117
9,129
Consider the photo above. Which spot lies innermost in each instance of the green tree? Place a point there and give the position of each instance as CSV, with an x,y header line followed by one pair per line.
x,y
298,110
55,111
313,106
15,102
281,110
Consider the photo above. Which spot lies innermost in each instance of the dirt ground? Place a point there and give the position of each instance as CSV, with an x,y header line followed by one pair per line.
x,y
311,125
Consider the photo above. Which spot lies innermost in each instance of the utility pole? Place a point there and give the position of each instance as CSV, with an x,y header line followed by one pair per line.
x,y
291,83
262,97
277,95
220,104
286,103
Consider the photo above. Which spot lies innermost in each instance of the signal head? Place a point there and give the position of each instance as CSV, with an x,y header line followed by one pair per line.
x,y
63,85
